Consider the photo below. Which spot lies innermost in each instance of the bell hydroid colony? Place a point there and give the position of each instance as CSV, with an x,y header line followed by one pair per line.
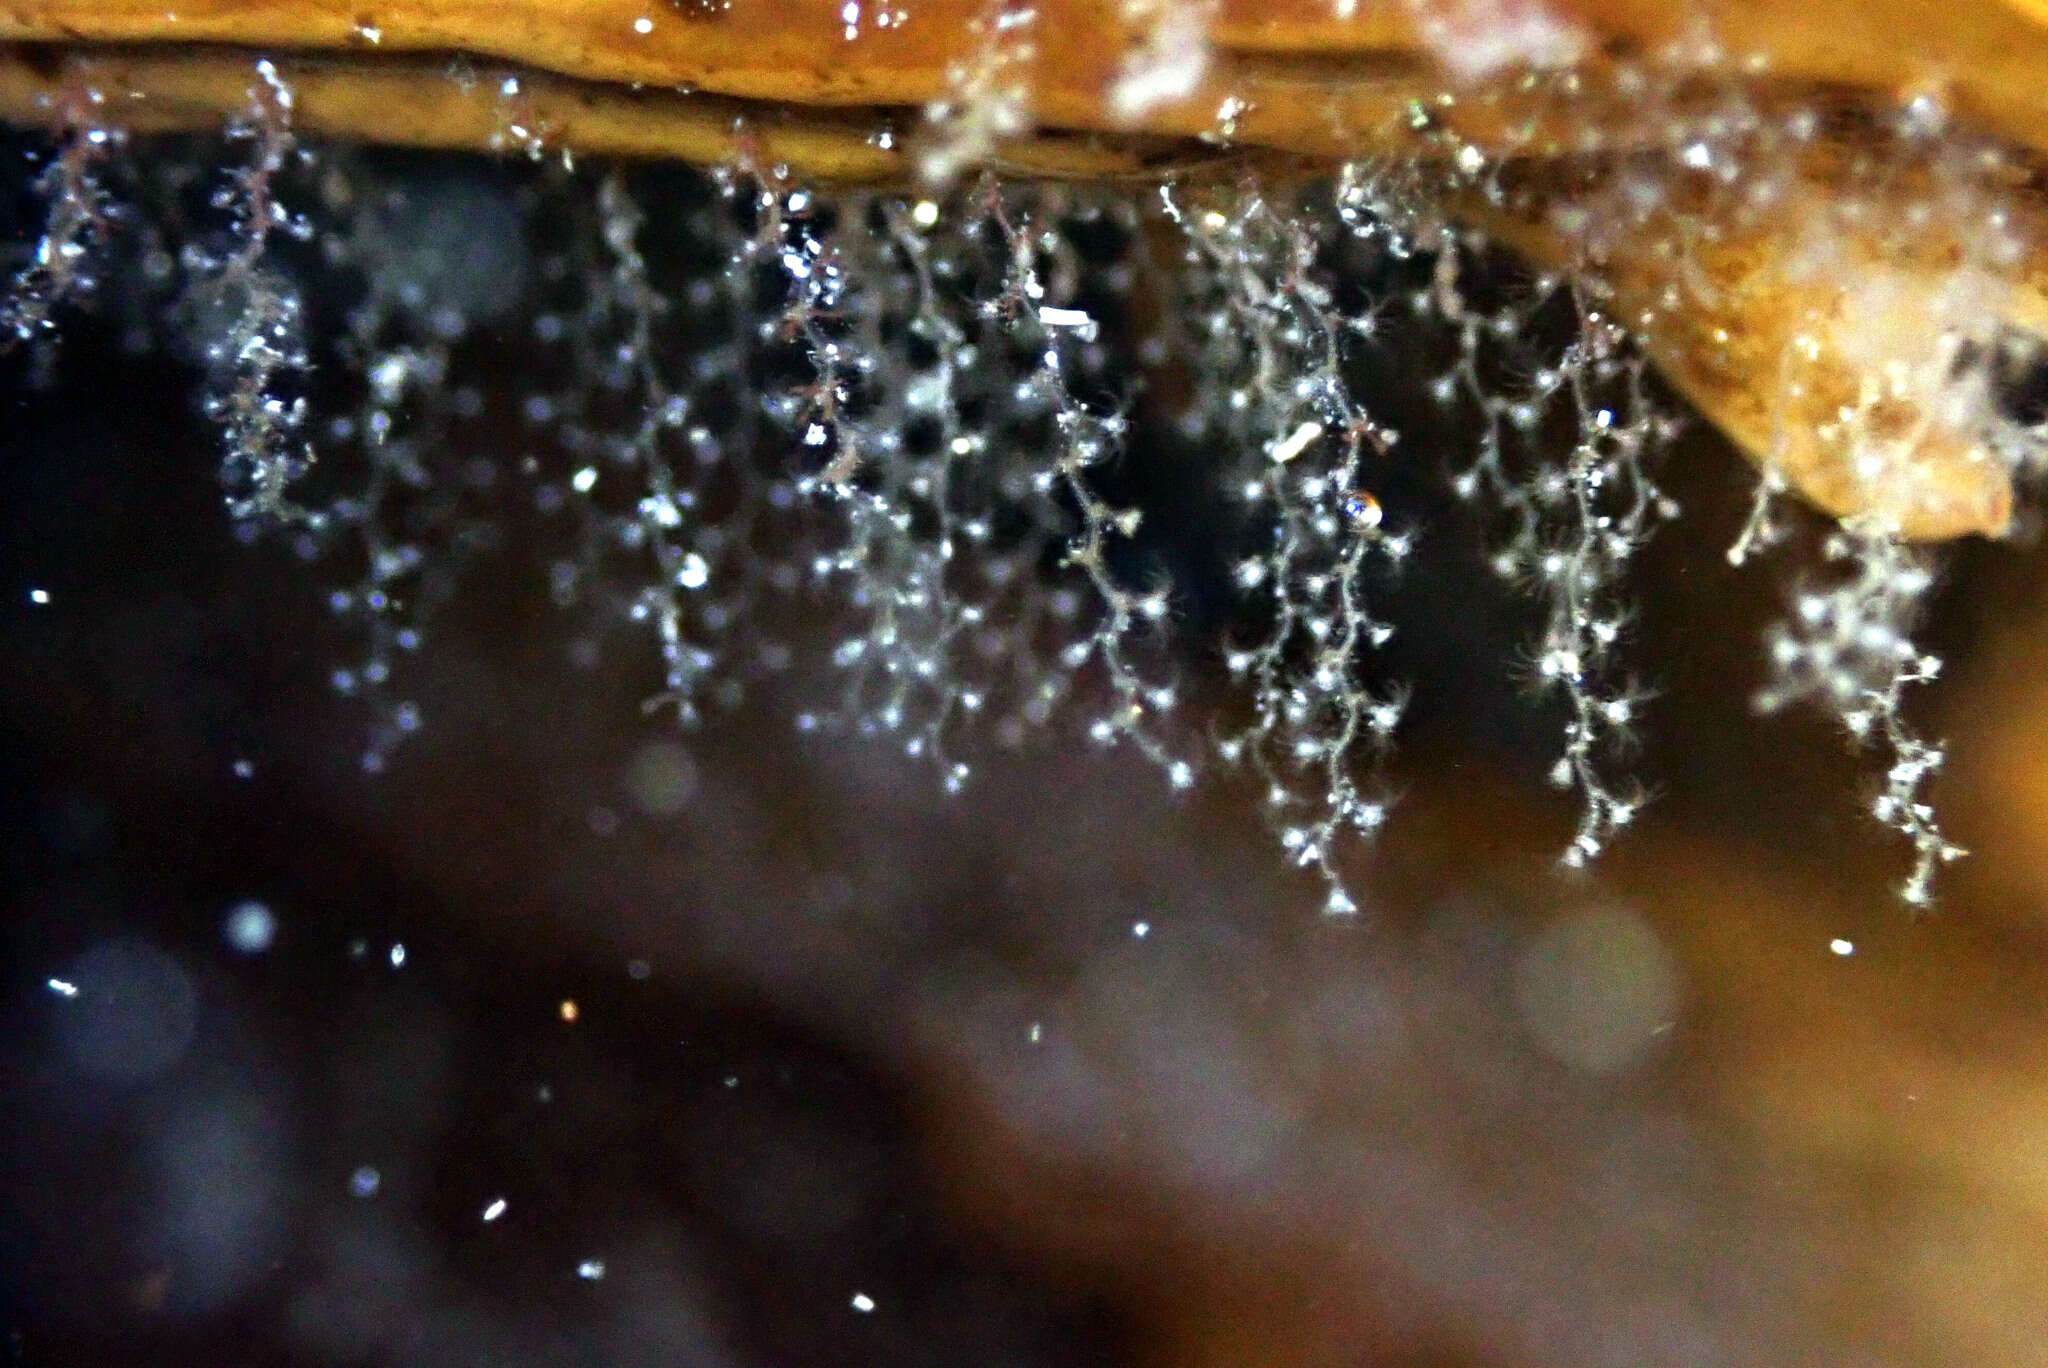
x,y
901,358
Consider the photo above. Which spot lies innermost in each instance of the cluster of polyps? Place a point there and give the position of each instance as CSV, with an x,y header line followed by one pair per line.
x,y
912,402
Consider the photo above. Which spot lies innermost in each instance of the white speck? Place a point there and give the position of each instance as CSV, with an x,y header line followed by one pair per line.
x,y
1471,160
1697,155
1037,1033
863,1303
495,1209
244,769
590,1270
925,213
39,597
1167,64
584,480
695,572
1475,39
1077,319
250,927
365,1181
643,25
63,988
397,955
1842,947
1141,929
1296,442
